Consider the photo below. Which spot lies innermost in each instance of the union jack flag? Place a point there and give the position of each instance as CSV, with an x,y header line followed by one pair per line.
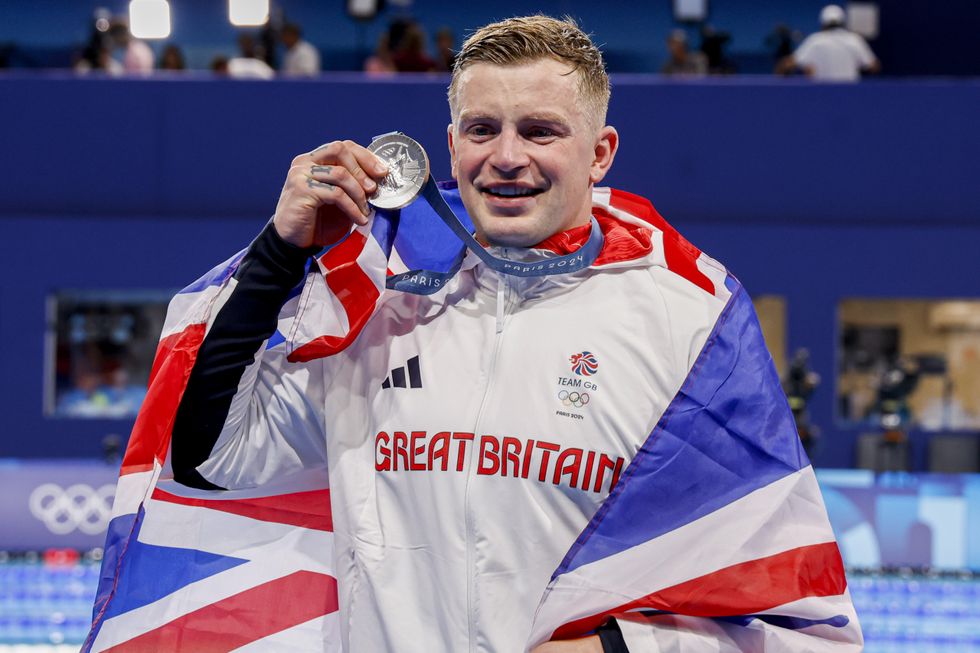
x,y
194,570
716,530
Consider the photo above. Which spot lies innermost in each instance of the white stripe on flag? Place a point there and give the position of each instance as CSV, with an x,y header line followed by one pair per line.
x,y
321,635
193,597
717,273
273,551
222,533
132,489
186,309
792,504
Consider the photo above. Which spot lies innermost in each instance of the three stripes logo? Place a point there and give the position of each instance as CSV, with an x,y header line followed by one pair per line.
x,y
397,377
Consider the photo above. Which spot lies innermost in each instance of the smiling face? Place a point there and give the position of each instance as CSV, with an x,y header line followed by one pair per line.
x,y
525,152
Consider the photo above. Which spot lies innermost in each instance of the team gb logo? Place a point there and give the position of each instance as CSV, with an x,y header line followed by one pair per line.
x,y
584,364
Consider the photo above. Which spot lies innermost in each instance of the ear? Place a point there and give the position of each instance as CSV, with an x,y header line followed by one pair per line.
x,y
607,142
452,150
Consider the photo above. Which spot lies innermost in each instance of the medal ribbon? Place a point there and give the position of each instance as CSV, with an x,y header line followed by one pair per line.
x,y
426,282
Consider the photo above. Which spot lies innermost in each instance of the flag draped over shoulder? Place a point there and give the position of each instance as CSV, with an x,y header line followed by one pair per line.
x,y
718,515
193,570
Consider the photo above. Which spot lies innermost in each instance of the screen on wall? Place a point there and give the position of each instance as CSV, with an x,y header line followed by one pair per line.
x,y
100,348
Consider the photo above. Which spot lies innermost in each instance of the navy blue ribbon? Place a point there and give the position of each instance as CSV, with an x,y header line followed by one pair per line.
x,y
426,282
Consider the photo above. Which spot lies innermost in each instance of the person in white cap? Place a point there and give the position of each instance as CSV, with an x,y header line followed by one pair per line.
x,y
833,54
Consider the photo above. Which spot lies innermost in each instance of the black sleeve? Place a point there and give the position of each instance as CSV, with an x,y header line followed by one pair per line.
x,y
268,272
611,638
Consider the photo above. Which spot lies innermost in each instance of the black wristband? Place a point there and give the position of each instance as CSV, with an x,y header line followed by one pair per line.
x,y
611,638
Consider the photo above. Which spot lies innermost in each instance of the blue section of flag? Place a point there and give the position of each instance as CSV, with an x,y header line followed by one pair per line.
x,y
120,529
727,432
275,339
217,275
423,240
384,228
149,573
780,621
791,623
135,574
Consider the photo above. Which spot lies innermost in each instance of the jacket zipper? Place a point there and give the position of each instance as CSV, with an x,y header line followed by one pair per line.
x,y
503,294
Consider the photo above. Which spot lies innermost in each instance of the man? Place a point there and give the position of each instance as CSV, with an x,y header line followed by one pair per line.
x,y
834,54
137,56
682,61
493,475
302,58
249,63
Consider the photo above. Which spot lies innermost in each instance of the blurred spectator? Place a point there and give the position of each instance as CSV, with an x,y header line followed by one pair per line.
x,y
834,53
105,393
682,61
396,33
380,62
172,58
269,36
302,59
219,65
410,56
713,45
137,55
249,65
781,42
97,55
445,56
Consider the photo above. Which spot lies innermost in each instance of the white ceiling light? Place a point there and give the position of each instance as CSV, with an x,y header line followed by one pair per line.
x,y
149,19
248,13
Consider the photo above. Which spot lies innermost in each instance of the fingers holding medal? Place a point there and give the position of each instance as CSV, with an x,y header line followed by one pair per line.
x,y
325,191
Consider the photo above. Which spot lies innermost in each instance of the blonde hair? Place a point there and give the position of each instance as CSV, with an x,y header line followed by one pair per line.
x,y
529,38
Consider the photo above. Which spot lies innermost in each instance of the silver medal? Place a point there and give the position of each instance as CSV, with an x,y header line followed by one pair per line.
x,y
408,170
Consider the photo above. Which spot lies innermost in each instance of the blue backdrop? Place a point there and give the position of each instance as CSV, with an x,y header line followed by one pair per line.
x,y
813,192
917,37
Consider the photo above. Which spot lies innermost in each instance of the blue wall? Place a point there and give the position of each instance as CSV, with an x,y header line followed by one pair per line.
x,y
812,192
917,37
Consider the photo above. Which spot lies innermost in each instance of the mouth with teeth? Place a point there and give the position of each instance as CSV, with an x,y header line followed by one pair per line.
x,y
511,191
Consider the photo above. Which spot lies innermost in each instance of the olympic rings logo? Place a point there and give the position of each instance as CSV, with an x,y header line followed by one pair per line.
x,y
76,507
577,399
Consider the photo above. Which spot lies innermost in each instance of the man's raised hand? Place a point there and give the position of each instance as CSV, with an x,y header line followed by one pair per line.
x,y
325,191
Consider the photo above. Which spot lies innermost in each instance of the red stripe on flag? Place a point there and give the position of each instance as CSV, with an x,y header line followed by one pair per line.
x,y
306,509
357,294
746,588
168,378
242,618
681,255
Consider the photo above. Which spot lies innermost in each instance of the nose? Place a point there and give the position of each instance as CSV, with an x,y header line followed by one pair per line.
x,y
509,154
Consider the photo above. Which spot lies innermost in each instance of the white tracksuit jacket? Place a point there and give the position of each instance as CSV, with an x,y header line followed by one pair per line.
x,y
465,453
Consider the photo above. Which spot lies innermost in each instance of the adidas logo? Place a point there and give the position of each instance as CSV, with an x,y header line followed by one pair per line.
x,y
397,377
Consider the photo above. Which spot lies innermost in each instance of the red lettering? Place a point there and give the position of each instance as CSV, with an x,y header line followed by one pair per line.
x,y
489,460
615,478
400,450
528,450
510,453
605,462
462,438
383,465
587,476
439,449
416,450
546,449
507,456
570,467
